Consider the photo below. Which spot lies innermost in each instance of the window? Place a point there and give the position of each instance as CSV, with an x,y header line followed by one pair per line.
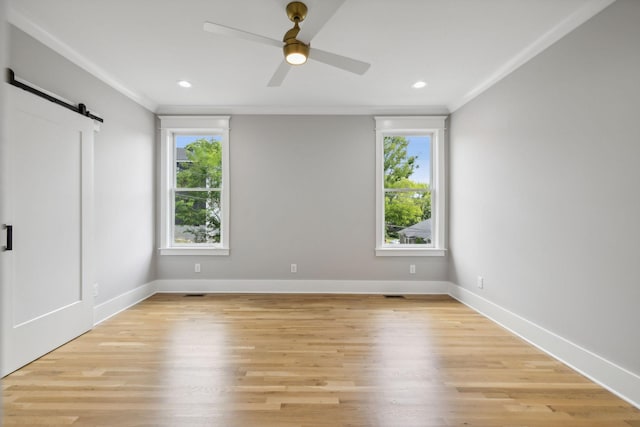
x,y
410,197
195,185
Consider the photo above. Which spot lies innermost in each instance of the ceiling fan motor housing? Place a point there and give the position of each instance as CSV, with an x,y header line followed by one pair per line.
x,y
297,11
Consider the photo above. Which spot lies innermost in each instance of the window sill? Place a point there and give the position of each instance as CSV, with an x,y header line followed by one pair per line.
x,y
195,251
410,252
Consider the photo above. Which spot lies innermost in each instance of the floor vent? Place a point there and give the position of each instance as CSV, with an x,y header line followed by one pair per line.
x,y
194,295
394,296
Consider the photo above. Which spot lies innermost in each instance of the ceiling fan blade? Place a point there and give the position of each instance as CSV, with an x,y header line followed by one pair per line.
x,y
317,18
339,61
280,74
223,30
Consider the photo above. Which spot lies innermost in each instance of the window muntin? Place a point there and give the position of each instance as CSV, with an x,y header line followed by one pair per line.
x,y
410,196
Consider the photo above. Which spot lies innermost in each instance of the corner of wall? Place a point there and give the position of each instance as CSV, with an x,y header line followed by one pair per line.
x,y
107,309
619,381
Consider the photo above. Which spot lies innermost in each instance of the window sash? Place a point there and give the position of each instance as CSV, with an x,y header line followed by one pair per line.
x,y
172,237
215,136
392,231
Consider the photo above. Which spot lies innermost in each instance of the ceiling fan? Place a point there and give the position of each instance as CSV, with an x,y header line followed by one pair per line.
x,y
296,41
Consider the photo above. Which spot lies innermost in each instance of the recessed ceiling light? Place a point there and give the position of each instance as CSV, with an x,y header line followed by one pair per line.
x,y
184,83
419,84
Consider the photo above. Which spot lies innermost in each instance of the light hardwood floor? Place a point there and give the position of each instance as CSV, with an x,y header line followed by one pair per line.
x,y
302,361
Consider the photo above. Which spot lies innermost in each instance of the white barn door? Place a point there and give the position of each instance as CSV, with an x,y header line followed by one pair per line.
x,y
48,273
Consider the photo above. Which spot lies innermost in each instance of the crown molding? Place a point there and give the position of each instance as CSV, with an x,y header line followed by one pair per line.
x,y
564,27
333,110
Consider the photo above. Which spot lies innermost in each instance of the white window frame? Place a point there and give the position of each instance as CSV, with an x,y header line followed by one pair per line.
x,y
195,125
414,125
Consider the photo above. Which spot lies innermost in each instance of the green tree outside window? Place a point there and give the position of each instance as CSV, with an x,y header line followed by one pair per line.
x,y
197,200
410,203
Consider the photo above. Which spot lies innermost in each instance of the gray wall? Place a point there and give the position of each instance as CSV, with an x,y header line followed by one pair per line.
x,y
544,188
302,191
124,164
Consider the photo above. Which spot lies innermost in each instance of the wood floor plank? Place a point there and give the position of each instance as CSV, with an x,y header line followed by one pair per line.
x,y
302,361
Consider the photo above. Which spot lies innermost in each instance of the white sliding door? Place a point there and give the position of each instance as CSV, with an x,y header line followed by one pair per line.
x,y
48,274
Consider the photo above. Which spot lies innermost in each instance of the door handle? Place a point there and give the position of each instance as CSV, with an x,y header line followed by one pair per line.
x,y
9,246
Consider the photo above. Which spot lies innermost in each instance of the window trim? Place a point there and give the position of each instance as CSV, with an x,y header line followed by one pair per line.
x,y
176,125
413,125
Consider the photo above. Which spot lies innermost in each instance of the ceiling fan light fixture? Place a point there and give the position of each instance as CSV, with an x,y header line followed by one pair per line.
x,y
296,52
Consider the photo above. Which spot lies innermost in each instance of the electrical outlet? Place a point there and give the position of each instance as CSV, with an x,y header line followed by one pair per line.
x,y
294,268
412,269
197,268
480,282
96,289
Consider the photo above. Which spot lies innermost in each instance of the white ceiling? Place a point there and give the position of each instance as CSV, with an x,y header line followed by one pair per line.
x,y
143,47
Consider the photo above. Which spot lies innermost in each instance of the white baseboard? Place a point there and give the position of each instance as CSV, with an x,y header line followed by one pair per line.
x,y
304,286
614,378
107,309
